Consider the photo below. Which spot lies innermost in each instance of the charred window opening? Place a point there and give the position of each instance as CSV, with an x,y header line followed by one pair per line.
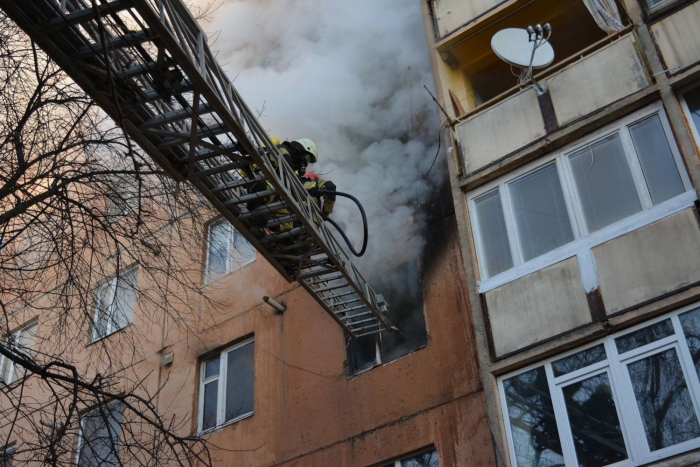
x,y
401,286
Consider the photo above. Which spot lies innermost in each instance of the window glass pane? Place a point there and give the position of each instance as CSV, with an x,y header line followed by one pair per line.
x,y
243,251
239,381
690,322
104,297
594,423
7,457
604,183
125,299
429,459
579,360
27,337
211,368
655,156
644,336
492,230
211,393
532,422
692,98
101,431
540,213
662,396
218,260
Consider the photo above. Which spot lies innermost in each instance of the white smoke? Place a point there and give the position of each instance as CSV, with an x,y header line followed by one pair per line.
x,y
349,75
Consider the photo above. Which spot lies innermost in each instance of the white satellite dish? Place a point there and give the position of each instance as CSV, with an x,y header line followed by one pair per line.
x,y
513,46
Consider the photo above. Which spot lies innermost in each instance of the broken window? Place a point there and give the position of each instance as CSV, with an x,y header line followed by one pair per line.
x,y
114,306
627,168
226,386
227,250
100,432
22,341
633,397
401,287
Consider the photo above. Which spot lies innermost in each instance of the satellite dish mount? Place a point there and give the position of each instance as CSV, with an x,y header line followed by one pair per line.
x,y
525,49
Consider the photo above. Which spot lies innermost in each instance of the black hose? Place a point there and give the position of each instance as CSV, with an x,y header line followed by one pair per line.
x,y
364,222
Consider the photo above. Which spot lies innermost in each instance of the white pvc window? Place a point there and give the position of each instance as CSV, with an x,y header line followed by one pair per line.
x,y
227,250
114,307
620,178
426,459
226,386
100,434
23,341
626,400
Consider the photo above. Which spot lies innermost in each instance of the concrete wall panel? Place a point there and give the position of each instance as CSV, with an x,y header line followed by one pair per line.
x,y
649,262
500,130
601,78
451,14
678,37
538,306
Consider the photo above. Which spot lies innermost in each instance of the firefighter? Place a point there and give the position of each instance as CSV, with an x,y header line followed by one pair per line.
x,y
315,186
299,154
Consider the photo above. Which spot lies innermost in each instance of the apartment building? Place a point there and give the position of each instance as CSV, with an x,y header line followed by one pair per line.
x,y
179,317
576,203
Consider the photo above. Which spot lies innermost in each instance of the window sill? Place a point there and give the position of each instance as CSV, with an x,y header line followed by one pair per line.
x,y
205,283
378,365
585,244
224,425
107,335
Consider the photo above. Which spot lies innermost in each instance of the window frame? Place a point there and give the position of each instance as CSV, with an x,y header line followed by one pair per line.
x,y
583,240
112,284
4,361
616,366
694,131
230,248
221,388
79,445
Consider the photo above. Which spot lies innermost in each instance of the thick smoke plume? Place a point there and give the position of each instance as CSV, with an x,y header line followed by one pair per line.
x,y
348,75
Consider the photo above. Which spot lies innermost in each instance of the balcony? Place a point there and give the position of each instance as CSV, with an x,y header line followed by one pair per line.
x,y
592,79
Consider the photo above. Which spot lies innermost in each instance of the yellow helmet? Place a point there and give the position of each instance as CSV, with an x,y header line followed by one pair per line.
x,y
275,140
310,147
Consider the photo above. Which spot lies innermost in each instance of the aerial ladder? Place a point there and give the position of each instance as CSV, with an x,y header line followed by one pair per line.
x,y
147,64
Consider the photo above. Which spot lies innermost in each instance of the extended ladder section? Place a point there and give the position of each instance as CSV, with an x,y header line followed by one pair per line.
x,y
148,65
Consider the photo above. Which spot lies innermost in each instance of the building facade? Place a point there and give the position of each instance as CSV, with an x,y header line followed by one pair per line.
x,y
576,203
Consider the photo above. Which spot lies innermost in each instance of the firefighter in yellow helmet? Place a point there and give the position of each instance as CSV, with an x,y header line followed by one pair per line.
x,y
322,191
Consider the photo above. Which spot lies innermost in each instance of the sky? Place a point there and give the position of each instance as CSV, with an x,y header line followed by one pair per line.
x,y
349,75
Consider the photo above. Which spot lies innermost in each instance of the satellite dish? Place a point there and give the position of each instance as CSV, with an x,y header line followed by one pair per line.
x,y
514,47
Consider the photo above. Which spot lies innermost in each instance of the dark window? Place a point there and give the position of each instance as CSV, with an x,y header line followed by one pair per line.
x,y
401,287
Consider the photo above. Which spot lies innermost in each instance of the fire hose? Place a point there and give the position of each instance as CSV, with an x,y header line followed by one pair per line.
x,y
342,233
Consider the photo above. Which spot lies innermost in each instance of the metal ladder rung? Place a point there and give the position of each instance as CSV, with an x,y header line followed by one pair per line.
x,y
146,68
266,210
175,116
126,40
349,310
279,236
280,220
250,197
316,273
85,15
205,132
237,183
347,302
150,96
327,279
377,330
333,287
218,170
